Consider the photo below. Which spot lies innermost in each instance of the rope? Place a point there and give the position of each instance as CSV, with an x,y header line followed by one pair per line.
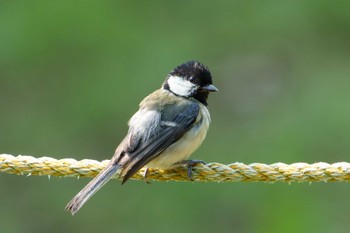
x,y
215,172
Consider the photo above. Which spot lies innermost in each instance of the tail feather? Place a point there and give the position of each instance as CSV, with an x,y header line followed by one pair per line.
x,y
91,188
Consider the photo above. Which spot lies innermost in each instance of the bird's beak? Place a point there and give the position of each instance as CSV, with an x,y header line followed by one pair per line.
x,y
209,88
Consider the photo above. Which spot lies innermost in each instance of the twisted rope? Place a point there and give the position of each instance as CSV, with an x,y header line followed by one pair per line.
x,y
216,172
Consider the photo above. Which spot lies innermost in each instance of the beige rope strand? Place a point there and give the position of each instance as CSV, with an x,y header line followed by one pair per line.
x,y
215,172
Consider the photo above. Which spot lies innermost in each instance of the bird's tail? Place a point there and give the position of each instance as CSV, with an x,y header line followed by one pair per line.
x,y
91,188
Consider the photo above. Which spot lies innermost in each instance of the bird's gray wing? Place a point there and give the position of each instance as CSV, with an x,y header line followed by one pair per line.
x,y
174,124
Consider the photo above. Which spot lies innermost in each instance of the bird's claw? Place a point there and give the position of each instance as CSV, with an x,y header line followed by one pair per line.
x,y
190,163
145,173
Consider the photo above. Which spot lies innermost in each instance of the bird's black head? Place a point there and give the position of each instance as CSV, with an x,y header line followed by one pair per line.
x,y
190,79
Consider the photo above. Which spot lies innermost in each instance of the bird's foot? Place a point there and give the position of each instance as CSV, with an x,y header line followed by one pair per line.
x,y
190,163
145,173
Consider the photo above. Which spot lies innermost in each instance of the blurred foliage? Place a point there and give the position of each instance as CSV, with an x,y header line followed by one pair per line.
x,y
73,72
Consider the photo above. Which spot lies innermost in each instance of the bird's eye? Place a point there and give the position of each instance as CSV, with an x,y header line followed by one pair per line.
x,y
191,79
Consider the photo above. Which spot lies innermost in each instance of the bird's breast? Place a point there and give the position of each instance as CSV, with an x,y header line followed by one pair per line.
x,y
186,145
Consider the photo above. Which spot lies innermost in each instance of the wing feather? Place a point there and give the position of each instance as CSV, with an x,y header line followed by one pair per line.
x,y
163,136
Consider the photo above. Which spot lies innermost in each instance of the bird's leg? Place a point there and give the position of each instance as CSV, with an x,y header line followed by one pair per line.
x,y
190,163
145,173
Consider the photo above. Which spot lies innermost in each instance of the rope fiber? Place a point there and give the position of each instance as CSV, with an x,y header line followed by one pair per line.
x,y
210,172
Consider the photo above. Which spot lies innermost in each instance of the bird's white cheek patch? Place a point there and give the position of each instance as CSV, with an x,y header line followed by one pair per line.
x,y
180,86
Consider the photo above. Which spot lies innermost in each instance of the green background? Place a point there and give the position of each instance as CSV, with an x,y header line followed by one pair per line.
x,y
73,72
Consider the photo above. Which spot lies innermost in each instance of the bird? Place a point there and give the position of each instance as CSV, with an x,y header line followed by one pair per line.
x,y
169,126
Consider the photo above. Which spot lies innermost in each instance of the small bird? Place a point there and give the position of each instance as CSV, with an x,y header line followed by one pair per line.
x,y
169,126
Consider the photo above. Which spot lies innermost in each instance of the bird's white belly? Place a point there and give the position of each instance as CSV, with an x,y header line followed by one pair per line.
x,y
185,146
